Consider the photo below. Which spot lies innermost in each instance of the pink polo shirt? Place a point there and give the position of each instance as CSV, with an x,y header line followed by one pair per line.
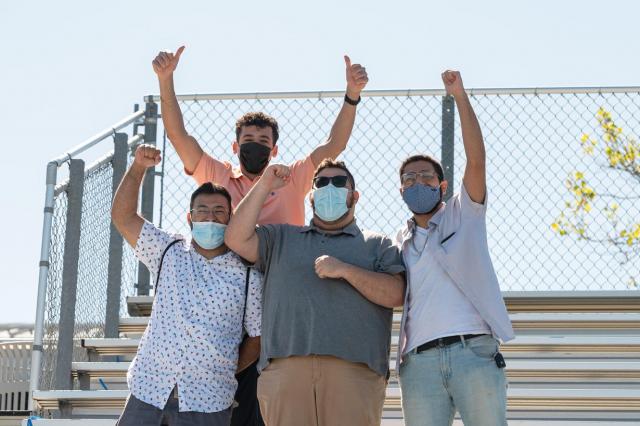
x,y
284,205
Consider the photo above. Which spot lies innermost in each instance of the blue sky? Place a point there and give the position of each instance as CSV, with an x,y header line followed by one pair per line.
x,y
71,68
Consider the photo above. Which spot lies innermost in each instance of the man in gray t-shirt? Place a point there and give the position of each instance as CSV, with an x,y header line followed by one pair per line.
x,y
329,290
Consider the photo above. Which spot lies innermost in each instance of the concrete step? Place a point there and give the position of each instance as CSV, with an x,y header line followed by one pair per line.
x,y
594,404
516,302
527,346
521,373
385,422
524,323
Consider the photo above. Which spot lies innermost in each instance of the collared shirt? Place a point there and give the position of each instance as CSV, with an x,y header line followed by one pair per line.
x,y
435,306
304,314
284,205
195,327
459,246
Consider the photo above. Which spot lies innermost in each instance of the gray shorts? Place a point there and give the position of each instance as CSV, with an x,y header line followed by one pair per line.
x,y
139,413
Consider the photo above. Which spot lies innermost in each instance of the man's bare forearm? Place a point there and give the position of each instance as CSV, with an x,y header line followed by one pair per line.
x,y
185,145
471,131
171,113
240,235
124,211
249,352
378,287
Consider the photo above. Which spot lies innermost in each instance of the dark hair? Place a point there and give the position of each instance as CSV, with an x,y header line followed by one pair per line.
x,y
210,188
436,164
329,163
260,120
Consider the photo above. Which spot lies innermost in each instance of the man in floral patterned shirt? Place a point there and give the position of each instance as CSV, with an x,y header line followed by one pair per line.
x,y
184,371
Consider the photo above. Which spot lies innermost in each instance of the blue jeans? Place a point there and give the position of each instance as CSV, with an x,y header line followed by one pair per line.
x,y
462,376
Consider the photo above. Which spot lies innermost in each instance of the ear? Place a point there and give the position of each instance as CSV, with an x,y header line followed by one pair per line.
x,y
443,186
235,146
274,151
189,221
356,197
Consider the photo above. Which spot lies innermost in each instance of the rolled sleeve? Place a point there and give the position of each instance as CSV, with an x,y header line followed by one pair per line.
x,y
469,207
151,243
302,174
209,169
253,317
389,259
266,239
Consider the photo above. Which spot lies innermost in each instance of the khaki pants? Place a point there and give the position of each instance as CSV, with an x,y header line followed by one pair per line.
x,y
318,390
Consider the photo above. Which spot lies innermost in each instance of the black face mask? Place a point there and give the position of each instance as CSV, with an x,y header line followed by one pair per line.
x,y
254,157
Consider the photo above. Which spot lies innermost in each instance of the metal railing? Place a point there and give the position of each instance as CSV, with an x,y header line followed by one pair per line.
x,y
535,142
86,270
14,374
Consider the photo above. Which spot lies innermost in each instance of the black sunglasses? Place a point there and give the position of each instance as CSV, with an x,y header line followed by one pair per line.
x,y
337,181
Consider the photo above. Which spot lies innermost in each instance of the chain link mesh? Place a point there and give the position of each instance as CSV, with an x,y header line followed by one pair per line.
x,y
535,146
563,175
93,264
91,299
54,290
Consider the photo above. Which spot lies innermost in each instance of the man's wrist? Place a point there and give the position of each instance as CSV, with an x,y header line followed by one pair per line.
x,y
352,98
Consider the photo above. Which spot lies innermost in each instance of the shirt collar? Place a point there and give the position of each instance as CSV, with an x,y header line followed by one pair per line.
x,y
435,220
351,229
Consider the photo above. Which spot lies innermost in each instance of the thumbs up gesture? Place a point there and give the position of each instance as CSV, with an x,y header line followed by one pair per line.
x,y
166,62
357,78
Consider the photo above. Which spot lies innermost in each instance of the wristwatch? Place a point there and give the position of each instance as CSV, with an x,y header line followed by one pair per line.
x,y
350,101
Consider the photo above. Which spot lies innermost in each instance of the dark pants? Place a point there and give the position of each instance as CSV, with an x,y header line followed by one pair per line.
x,y
139,413
247,413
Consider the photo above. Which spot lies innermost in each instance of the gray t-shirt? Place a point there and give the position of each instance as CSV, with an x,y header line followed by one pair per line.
x,y
304,314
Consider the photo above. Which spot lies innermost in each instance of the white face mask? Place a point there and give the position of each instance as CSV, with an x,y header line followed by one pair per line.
x,y
208,235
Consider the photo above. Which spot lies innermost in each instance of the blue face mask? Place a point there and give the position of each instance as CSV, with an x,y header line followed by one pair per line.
x,y
208,235
330,203
422,199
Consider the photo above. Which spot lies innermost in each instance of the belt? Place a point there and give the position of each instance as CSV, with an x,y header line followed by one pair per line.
x,y
445,341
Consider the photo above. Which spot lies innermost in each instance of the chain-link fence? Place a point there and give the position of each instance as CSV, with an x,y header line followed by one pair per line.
x,y
97,257
54,290
564,209
563,175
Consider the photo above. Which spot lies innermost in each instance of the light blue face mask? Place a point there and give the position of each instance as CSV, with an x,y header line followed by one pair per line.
x,y
330,203
208,235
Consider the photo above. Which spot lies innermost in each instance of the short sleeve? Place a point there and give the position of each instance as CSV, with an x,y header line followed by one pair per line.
x,y
389,259
151,243
469,207
302,174
267,235
209,169
253,315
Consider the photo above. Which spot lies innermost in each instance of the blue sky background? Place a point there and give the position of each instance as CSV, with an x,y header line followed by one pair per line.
x,y
72,68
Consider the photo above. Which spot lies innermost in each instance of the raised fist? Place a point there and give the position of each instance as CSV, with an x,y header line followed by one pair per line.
x,y
276,176
357,78
147,156
453,83
166,62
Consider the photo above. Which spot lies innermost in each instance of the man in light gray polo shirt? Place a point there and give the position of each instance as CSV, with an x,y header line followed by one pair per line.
x,y
329,291
453,313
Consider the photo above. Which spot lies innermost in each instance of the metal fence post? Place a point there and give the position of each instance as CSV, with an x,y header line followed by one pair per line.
x,y
146,204
114,274
38,333
70,275
448,142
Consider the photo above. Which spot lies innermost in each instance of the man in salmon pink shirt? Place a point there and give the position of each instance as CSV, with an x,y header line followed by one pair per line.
x,y
255,145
